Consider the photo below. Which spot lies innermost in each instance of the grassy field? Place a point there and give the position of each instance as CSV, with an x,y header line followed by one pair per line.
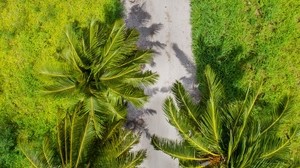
x,y
247,42
30,34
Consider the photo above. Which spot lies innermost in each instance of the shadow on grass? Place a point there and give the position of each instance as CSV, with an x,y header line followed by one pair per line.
x,y
227,66
113,11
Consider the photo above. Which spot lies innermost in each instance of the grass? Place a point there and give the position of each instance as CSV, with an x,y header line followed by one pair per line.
x,y
30,34
247,42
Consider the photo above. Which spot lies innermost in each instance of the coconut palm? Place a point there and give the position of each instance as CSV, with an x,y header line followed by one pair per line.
x,y
101,65
77,145
217,133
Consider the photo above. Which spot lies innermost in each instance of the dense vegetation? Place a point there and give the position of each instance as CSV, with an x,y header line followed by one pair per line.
x,y
218,132
76,144
100,66
243,41
247,42
31,32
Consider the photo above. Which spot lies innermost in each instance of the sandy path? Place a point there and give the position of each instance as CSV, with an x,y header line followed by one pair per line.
x,y
164,26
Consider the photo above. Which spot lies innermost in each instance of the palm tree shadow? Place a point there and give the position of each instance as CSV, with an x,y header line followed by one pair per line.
x,y
138,18
226,66
189,82
135,121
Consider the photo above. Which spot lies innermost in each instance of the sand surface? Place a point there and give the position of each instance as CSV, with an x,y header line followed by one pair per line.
x,y
165,27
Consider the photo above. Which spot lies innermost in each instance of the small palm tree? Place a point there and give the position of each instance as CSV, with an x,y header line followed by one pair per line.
x,y
216,133
77,145
102,65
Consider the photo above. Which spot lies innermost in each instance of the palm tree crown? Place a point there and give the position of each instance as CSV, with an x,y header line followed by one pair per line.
x,y
77,145
102,64
216,133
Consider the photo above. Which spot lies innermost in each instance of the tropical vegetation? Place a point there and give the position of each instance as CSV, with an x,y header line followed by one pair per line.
x,y
251,41
101,67
217,132
242,41
31,36
77,145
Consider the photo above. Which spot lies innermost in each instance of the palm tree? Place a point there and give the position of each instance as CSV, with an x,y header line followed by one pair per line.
x,y
77,145
101,65
217,133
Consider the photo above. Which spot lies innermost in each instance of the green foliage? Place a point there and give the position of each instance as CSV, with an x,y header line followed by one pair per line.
x,y
30,34
249,42
101,66
218,132
77,144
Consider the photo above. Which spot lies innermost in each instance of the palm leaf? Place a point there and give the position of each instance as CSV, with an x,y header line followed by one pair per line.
x,y
138,58
61,87
277,144
141,79
224,134
39,158
176,149
181,123
87,137
92,107
211,117
282,110
133,159
114,42
133,95
185,103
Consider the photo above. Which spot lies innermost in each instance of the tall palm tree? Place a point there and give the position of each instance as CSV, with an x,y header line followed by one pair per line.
x,y
217,133
101,65
77,145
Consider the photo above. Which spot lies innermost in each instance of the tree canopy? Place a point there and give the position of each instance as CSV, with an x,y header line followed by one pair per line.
x,y
220,133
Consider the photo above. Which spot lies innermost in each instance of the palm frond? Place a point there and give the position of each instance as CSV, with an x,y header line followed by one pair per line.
x,y
138,58
282,110
33,158
181,123
73,54
76,134
57,72
185,104
275,145
146,78
211,117
114,42
245,112
115,74
39,158
48,152
111,107
92,107
86,139
133,95
176,149
115,151
132,160
61,87
131,38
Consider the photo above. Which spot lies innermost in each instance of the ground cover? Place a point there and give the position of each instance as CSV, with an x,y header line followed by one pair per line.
x,y
251,42
30,34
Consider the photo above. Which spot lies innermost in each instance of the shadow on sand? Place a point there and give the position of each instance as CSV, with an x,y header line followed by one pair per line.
x,y
138,18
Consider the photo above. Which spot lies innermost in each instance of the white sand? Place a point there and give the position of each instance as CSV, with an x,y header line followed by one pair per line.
x,y
174,15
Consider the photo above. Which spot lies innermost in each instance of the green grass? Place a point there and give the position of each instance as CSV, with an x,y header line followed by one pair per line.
x,y
30,34
247,42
